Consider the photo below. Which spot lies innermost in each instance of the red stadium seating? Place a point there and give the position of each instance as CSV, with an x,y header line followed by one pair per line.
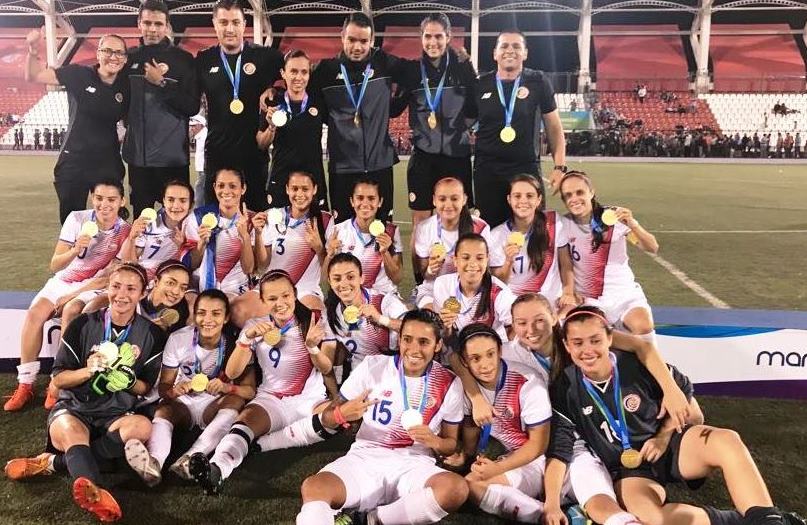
x,y
653,115
409,46
316,47
85,54
196,39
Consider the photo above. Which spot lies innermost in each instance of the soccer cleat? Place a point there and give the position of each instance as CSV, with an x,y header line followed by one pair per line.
x,y
181,467
353,518
96,500
206,474
51,396
792,518
21,396
21,468
138,457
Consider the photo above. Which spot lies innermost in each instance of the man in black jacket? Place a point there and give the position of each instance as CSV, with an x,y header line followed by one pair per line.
x,y
163,97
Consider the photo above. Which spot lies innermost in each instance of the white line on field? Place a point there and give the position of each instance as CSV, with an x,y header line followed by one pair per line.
x,y
702,292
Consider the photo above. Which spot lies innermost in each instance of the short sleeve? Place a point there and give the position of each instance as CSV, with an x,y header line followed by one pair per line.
x,y
422,241
683,382
329,228
547,96
496,247
561,442
561,233
535,407
70,355
620,230
268,235
328,335
172,352
452,409
485,233
356,381
393,307
503,304
150,371
397,244
71,228
192,228
72,76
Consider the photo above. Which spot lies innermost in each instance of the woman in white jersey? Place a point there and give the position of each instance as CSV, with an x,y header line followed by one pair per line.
x,y
411,408
195,391
221,234
88,242
529,250
380,251
286,345
436,237
598,242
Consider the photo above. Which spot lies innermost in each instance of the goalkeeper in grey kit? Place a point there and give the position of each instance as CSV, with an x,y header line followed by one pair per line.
x,y
107,359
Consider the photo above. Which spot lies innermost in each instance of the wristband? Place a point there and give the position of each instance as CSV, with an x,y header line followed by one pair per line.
x,y
384,321
313,350
243,340
340,418
561,168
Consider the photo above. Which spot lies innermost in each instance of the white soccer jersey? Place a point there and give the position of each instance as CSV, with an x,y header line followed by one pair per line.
x,y
286,367
230,277
524,279
497,317
290,251
366,338
157,245
190,359
102,248
602,272
381,424
430,232
515,353
521,400
363,246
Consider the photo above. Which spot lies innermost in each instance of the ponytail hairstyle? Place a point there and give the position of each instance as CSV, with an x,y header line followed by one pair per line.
x,y
332,301
466,222
301,312
477,330
559,357
123,213
539,240
484,306
314,211
598,229
578,314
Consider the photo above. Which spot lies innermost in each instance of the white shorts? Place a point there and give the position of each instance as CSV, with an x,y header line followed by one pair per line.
x,y
197,403
89,295
617,304
587,476
55,289
283,411
376,476
529,478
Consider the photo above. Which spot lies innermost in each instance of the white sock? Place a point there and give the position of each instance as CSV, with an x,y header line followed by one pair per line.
x,y
649,337
26,372
622,518
339,373
159,443
509,502
315,513
233,449
413,509
298,434
213,433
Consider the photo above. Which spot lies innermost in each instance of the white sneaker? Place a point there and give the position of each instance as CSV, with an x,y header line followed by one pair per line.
x,y
181,467
147,467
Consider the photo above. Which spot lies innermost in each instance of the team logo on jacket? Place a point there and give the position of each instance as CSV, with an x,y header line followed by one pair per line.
x,y
313,112
523,92
119,97
412,196
632,402
163,67
249,68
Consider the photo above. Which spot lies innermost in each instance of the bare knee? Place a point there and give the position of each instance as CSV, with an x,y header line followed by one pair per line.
x,y
450,490
647,513
476,490
132,427
326,487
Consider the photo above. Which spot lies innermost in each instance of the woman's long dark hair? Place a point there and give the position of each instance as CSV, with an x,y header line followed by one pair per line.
x,y
314,211
332,300
484,306
598,228
301,312
539,240
123,212
466,222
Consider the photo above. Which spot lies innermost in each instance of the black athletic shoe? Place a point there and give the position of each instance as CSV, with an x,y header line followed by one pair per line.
x,y
206,474
792,518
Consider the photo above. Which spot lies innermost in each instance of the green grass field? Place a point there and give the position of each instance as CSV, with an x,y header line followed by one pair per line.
x,y
763,269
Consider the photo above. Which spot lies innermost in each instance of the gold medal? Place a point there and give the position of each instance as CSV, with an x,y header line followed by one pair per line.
x,y
631,458
437,250
236,107
169,316
351,314
199,382
272,337
452,305
89,228
356,119
516,238
209,220
633,239
376,228
507,134
609,217
432,120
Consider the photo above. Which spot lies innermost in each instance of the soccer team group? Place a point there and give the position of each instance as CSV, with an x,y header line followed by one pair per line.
x,y
521,375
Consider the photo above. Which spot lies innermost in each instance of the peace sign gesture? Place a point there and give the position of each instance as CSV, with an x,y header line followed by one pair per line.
x,y
312,235
243,222
315,332
354,409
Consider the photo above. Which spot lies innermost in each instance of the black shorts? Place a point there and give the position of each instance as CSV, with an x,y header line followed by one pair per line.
x,y
663,471
425,169
97,425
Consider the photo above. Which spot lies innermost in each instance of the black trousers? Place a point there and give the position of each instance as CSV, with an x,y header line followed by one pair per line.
x,y
73,183
340,187
147,184
492,184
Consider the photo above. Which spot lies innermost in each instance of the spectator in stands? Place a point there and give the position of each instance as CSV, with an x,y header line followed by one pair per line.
x,y
512,98
788,145
47,137
764,145
780,146
198,134
16,139
797,145
573,105
358,147
37,139
233,75
57,139
164,96
641,92
97,98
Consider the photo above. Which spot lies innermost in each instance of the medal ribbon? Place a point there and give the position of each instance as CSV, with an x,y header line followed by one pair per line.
x,y
235,78
297,222
355,326
620,426
360,235
108,329
348,86
510,106
449,249
197,367
423,395
461,298
511,227
303,104
210,250
486,429
543,361
433,103
286,327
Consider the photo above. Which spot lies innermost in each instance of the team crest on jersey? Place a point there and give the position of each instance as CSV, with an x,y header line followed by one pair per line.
x,y
313,112
249,68
412,196
119,97
268,198
431,402
587,411
509,413
523,92
631,402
